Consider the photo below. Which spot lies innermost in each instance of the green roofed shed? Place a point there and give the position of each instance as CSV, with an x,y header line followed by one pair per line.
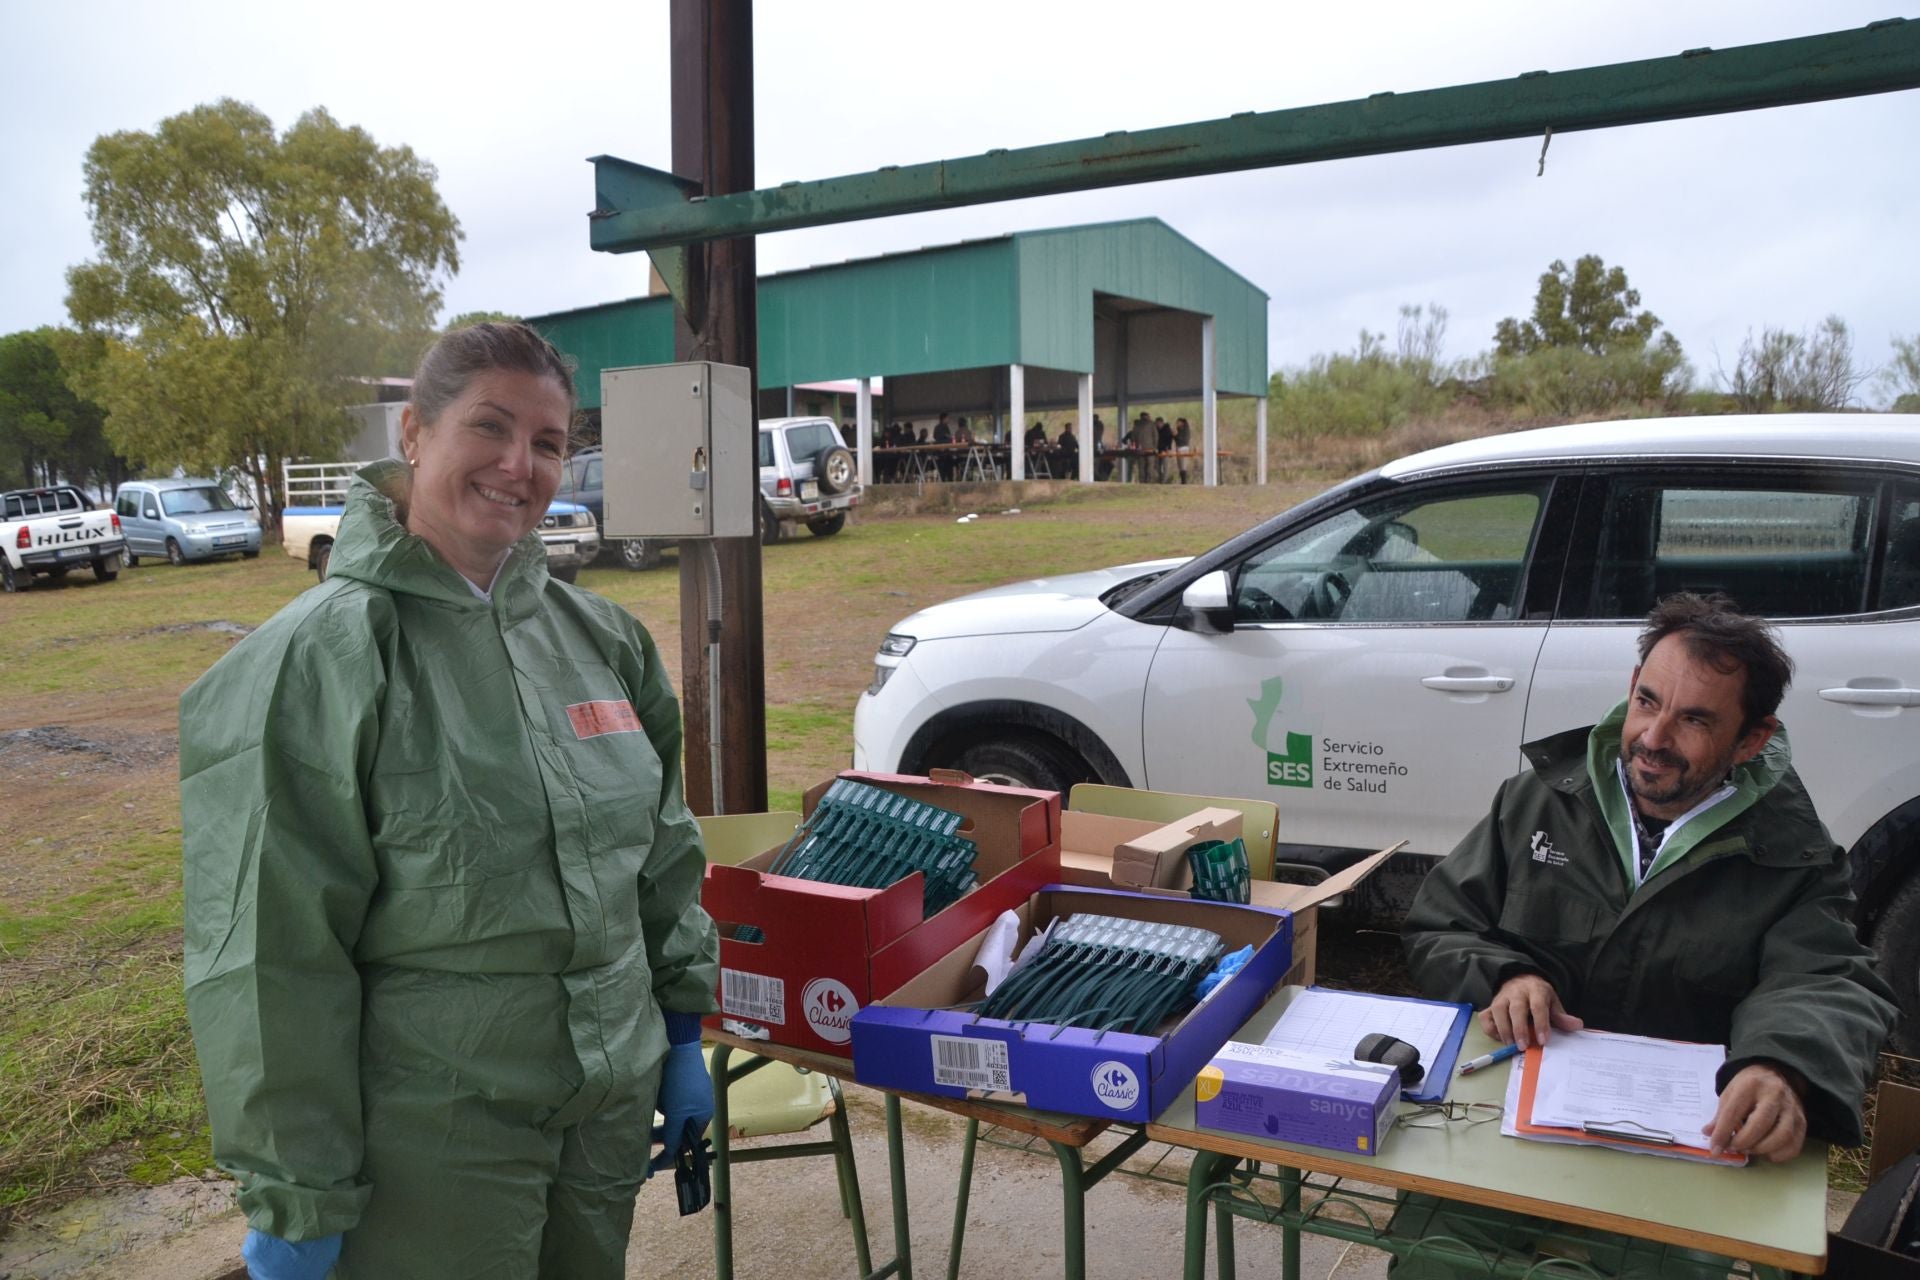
x,y
1109,313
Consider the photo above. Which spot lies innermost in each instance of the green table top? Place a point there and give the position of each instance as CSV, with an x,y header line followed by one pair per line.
x,y
1773,1214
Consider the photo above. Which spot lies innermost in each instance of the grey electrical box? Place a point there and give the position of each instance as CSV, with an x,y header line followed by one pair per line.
x,y
678,451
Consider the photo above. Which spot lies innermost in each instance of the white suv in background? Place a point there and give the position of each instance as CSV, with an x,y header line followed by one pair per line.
x,y
807,476
1374,658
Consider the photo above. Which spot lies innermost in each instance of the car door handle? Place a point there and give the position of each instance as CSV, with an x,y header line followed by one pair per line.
x,y
1873,697
1468,684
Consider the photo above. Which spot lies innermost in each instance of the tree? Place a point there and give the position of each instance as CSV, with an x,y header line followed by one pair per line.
x,y
1588,348
46,431
1901,377
246,280
1802,372
1591,308
466,318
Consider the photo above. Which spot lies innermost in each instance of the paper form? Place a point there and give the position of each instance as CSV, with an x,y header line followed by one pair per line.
x,y
1634,1082
1333,1022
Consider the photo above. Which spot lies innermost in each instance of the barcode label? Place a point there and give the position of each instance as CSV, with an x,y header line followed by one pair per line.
x,y
753,995
971,1064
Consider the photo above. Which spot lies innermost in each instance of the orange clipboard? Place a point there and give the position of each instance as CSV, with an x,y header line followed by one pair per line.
x,y
1523,1123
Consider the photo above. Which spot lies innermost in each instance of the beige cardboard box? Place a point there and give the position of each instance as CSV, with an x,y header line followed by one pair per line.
x,y
1102,852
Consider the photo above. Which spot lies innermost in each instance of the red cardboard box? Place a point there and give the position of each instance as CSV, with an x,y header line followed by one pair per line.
x,y
827,951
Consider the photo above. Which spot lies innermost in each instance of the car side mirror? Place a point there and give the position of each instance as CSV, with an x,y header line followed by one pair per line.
x,y
1207,603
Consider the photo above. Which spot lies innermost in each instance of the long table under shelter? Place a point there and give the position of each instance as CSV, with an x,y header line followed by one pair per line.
x,y
1609,1212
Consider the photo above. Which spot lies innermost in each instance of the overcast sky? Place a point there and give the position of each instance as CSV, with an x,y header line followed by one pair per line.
x,y
1724,224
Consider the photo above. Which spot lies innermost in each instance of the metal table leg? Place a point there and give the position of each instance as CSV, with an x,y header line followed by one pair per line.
x,y
960,1201
1207,1168
902,1264
1075,1178
721,1171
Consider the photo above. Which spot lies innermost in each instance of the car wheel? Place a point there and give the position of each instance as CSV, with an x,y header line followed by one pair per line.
x,y
106,568
1896,947
833,469
639,553
1024,760
827,526
175,556
770,529
321,559
567,574
14,579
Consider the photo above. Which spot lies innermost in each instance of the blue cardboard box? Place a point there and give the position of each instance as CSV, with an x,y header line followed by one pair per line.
x,y
1294,1096
914,1040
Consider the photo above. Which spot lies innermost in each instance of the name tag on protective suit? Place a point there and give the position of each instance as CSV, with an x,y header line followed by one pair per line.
x,y
591,719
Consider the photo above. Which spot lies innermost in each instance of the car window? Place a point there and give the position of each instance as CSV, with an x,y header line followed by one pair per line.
x,y
1900,582
808,439
1426,556
590,477
70,501
766,448
149,509
127,504
1779,551
16,508
188,502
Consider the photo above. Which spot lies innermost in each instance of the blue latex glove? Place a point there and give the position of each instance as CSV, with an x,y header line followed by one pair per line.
x,y
685,1102
1228,966
271,1258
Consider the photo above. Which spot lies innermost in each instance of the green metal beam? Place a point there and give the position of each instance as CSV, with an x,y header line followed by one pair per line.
x,y
642,208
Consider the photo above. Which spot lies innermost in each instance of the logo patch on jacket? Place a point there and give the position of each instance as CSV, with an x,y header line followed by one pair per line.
x,y
591,719
1543,851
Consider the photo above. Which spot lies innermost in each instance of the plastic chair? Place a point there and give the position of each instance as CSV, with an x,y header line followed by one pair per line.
x,y
754,1096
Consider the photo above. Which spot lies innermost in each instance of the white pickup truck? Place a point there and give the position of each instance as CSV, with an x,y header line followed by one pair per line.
x,y
317,493
52,530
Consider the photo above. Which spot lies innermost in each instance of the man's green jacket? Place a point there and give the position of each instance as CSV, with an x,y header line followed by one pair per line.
x,y
431,837
1744,939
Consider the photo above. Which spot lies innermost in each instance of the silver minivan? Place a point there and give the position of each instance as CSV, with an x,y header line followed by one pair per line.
x,y
184,519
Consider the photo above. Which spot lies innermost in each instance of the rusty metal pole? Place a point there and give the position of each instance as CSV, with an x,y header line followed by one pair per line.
x,y
712,87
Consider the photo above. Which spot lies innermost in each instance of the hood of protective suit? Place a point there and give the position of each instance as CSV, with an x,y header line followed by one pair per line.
x,y
374,547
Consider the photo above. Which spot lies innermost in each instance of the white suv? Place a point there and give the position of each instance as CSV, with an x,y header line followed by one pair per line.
x,y
807,476
1374,658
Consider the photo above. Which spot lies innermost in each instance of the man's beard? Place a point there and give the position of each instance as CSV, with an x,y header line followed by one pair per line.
x,y
1687,785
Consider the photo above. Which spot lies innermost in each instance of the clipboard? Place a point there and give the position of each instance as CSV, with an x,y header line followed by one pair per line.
x,y
1439,1072
1616,1135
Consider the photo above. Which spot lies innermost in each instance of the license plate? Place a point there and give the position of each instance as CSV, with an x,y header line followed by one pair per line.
x,y
238,541
809,491
560,548
76,553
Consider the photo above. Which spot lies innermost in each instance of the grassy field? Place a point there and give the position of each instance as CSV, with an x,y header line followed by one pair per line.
x,y
97,1077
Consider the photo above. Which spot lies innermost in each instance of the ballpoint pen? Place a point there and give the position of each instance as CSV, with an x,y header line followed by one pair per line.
x,y
1501,1054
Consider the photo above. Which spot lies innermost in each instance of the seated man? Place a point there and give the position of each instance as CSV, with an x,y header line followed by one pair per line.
x,y
1664,873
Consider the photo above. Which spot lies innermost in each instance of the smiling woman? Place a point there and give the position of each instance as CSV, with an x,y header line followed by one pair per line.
x,y
444,948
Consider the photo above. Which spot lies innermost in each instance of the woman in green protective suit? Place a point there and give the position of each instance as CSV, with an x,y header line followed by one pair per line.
x,y
444,946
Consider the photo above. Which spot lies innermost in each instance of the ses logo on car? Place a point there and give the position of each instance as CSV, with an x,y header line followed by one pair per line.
x,y
1291,765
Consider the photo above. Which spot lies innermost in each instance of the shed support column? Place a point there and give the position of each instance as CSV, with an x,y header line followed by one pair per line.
x,y
790,412
1209,402
1085,429
1260,440
863,425
1017,414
